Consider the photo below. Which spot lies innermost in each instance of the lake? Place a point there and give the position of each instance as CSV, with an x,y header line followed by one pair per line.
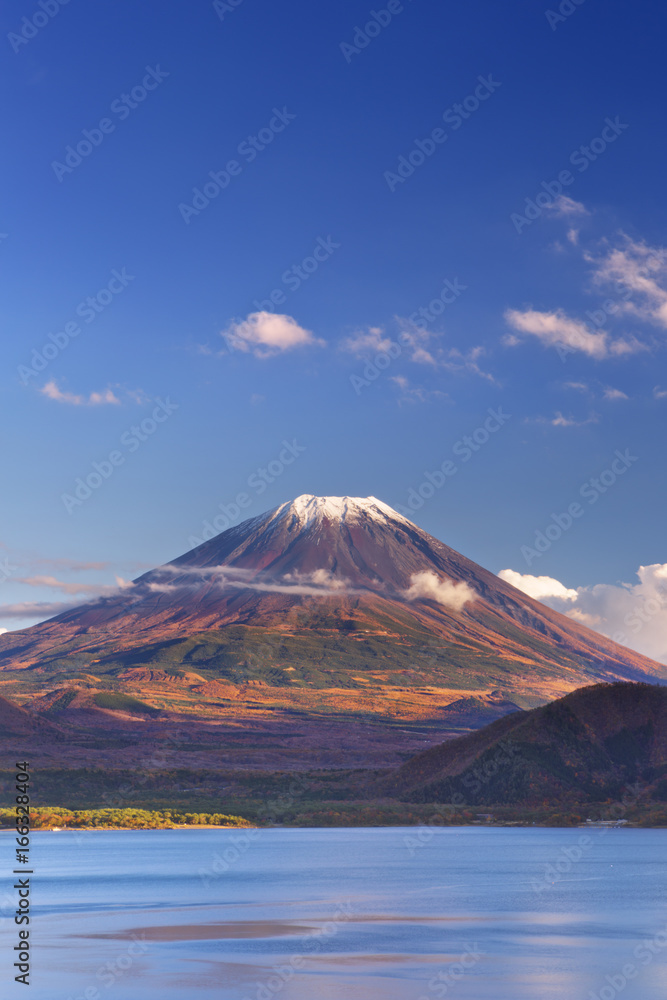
x,y
474,913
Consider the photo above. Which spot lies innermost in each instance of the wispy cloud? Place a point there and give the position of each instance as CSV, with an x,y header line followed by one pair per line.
x,y
415,393
563,206
84,589
640,271
557,329
558,420
266,335
614,395
40,610
52,391
414,344
457,361
319,583
366,343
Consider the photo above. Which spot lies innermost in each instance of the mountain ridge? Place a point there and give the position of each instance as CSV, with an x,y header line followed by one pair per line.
x,y
591,745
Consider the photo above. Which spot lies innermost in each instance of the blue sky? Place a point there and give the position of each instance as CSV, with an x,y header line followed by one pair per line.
x,y
158,98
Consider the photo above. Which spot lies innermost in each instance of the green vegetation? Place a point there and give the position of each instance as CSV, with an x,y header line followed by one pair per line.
x,y
325,650
119,702
62,702
48,817
93,798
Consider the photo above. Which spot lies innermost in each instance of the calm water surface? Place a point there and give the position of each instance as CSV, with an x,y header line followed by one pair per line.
x,y
472,913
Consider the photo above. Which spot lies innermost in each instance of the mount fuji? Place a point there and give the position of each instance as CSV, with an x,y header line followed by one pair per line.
x,y
328,594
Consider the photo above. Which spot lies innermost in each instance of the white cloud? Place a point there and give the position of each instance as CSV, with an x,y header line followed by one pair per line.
x,y
430,586
416,341
558,420
414,393
416,345
564,206
633,615
659,393
579,386
614,395
456,361
267,334
638,274
413,343
573,236
3,630
52,391
557,329
319,583
566,334
365,343
538,587
39,610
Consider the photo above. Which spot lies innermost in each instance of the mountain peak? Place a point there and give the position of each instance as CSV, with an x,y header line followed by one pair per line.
x,y
308,508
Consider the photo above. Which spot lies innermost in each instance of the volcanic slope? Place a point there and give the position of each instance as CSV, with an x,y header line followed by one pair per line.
x,y
338,601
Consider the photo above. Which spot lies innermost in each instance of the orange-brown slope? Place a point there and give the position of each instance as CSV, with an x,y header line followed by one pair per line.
x,y
336,571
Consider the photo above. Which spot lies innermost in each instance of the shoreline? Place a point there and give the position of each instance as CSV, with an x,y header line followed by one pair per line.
x,y
346,826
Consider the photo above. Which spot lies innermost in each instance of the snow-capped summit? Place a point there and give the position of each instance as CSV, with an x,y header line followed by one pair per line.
x,y
308,508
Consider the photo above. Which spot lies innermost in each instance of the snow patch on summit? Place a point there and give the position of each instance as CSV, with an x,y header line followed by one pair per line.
x,y
308,509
